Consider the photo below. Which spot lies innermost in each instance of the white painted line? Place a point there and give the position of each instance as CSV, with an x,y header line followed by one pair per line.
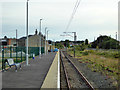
x,y
58,82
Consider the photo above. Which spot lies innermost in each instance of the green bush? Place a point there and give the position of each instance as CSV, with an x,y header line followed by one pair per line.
x,y
81,52
113,54
85,53
116,55
91,51
100,53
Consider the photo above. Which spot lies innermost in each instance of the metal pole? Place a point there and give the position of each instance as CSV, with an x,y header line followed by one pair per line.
x,y
74,49
10,52
53,44
16,38
74,42
3,61
27,36
40,40
45,40
110,42
16,46
116,40
116,35
21,54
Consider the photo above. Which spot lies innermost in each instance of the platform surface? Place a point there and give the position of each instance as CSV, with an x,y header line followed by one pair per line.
x,y
29,76
51,80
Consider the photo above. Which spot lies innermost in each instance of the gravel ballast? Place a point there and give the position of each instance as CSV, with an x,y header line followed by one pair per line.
x,y
97,79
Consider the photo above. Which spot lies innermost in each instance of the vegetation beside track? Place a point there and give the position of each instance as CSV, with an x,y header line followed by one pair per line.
x,y
104,61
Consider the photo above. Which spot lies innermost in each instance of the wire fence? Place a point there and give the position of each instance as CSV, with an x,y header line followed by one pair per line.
x,y
18,54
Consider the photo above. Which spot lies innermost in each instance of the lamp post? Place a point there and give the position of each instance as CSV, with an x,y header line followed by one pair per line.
x,y
45,40
16,45
40,40
27,35
16,39
53,44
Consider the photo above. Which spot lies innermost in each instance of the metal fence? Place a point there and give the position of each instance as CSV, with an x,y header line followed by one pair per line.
x,y
18,53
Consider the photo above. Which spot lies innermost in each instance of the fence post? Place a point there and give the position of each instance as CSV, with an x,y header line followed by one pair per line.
x,y
25,53
10,52
3,63
16,54
21,54
74,51
30,52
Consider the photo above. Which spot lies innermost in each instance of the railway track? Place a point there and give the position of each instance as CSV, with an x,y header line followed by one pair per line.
x,y
74,78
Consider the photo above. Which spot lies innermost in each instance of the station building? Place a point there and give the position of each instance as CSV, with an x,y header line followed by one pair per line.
x,y
8,41
33,40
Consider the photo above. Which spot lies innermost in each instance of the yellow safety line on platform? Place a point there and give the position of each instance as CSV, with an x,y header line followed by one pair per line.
x,y
52,75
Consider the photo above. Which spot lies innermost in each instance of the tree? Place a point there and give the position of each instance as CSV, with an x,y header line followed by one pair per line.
x,y
66,43
86,41
5,37
58,45
105,42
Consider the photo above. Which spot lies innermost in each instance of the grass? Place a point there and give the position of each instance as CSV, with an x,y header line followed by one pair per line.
x,y
106,53
100,61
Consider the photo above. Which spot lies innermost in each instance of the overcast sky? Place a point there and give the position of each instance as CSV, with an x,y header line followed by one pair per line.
x,y
93,17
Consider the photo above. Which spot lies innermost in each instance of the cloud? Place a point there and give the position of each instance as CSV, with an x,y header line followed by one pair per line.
x,y
92,17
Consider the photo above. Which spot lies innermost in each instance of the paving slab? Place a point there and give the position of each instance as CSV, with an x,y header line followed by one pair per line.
x,y
31,76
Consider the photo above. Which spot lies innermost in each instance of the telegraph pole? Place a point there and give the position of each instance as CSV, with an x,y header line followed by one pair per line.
x,y
40,40
74,41
45,40
27,36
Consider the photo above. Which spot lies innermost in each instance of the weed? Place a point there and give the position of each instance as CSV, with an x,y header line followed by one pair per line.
x,y
104,61
85,53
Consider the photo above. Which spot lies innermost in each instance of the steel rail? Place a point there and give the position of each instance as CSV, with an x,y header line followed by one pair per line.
x,y
80,73
65,72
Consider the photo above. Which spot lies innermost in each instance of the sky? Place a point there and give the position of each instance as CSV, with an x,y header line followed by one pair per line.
x,y
93,18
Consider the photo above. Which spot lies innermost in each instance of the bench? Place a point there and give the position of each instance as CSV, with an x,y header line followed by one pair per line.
x,y
11,63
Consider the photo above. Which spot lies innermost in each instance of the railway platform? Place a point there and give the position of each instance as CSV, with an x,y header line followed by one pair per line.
x,y
41,73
